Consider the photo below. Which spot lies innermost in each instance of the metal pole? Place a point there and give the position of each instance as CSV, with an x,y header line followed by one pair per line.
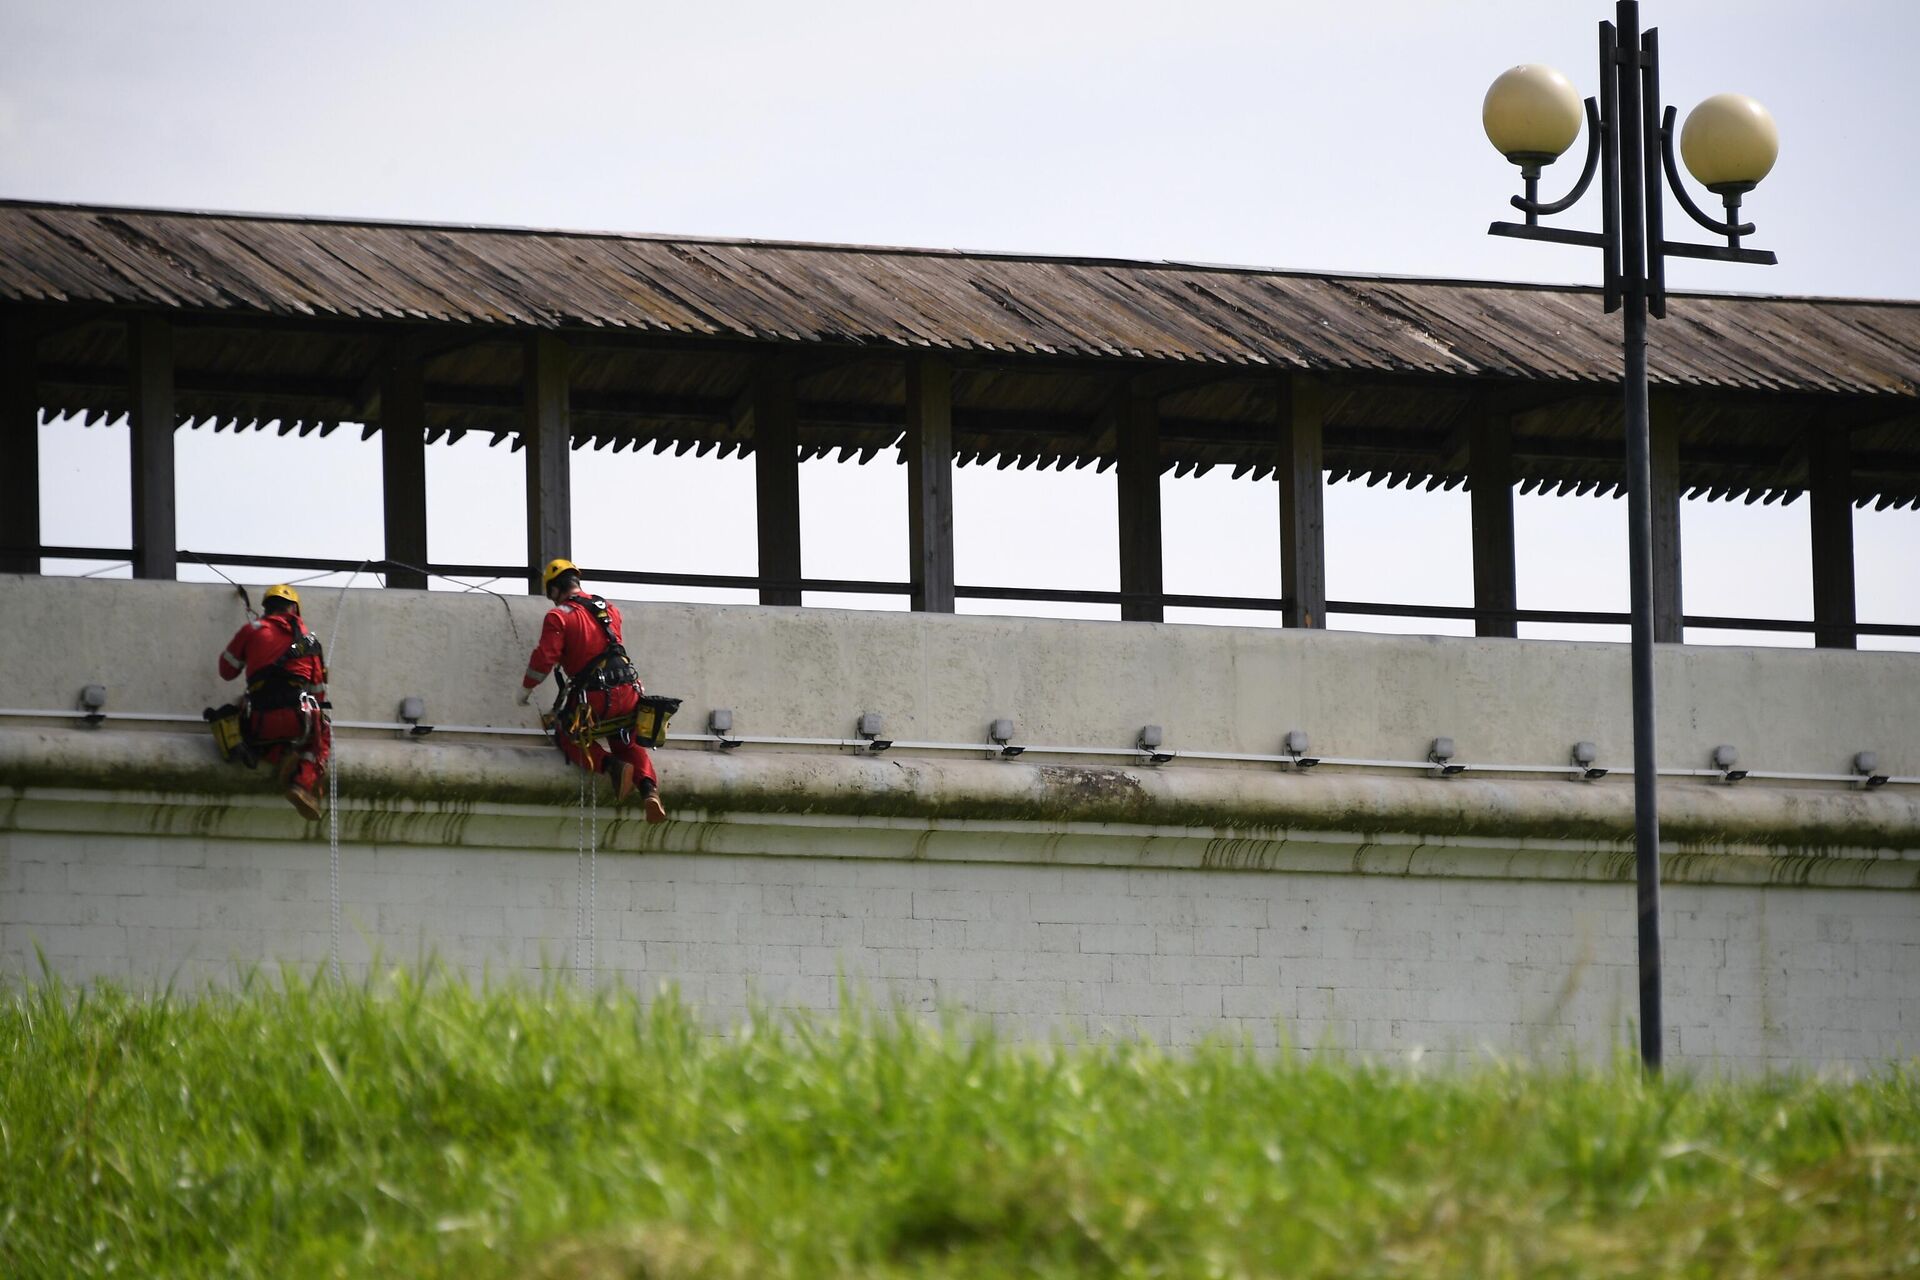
x,y
1627,130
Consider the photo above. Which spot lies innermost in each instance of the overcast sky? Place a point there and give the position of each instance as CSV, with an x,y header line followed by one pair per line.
x,y
1329,136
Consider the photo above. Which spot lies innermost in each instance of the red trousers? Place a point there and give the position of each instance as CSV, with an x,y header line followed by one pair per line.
x,y
303,764
606,704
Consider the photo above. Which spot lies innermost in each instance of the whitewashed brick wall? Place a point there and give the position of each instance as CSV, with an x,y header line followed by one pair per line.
x,y
1385,965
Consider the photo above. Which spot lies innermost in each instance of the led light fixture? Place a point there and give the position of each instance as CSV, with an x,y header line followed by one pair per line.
x,y
1582,758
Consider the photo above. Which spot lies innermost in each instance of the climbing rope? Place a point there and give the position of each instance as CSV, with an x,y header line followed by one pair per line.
x,y
333,795
586,885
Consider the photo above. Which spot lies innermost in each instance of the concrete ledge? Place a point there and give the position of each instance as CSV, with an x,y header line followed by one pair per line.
x,y
423,792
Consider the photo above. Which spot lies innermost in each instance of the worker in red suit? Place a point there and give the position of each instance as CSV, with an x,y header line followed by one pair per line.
x,y
282,714
581,635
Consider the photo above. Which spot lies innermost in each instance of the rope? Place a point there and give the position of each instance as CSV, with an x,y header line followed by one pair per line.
x,y
580,890
333,794
593,880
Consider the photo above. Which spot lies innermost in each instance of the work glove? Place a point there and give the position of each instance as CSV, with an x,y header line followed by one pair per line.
x,y
525,696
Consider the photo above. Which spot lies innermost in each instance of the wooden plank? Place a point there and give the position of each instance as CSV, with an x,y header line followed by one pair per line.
x,y
20,446
1830,487
546,428
150,372
1137,440
1303,546
403,462
776,479
929,450
1664,459
1490,472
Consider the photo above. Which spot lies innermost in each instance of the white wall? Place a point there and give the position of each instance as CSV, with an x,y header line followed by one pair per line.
x,y
1756,976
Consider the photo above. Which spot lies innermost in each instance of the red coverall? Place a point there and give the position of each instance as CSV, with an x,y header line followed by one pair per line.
x,y
257,646
570,637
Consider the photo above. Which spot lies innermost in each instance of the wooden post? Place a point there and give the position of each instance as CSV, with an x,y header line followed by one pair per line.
x,y
151,419
548,436
1137,441
1303,545
776,479
929,446
20,440
403,463
1669,614
1830,487
1490,479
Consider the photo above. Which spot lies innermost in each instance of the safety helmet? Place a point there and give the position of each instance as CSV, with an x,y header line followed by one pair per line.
x,y
281,591
554,569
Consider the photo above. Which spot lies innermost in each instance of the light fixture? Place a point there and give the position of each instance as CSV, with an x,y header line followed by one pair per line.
x,y
1866,765
1582,758
1725,757
1531,115
1295,745
870,726
93,700
1148,744
1440,755
413,709
1729,141
1000,734
720,725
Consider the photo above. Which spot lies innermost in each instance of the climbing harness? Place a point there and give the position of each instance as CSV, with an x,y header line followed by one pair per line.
x,y
573,716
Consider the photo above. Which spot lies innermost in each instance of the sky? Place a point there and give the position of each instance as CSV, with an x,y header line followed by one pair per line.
x,y
1323,137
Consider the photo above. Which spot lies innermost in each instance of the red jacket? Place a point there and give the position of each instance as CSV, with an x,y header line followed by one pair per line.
x,y
571,638
260,644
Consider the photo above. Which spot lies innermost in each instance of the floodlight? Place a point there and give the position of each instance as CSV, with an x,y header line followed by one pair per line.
x,y
1867,765
1582,758
1148,744
1295,744
413,709
1725,757
93,700
720,725
870,726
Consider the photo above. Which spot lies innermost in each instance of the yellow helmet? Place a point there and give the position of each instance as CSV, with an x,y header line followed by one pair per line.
x,y
554,569
281,591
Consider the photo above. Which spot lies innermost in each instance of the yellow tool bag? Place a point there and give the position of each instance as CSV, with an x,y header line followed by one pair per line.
x,y
650,719
228,737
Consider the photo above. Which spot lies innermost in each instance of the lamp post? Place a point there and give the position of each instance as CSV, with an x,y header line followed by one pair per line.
x,y
1532,115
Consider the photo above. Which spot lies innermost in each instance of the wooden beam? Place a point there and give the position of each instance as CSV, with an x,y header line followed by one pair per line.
x,y
1137,440
403,461
150,372
776,479
929,449
1669,625
1490,472
20,446
1830,486
1303,545
545,428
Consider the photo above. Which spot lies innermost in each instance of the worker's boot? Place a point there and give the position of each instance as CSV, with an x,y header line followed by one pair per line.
x,y
655,811
303,800
622,774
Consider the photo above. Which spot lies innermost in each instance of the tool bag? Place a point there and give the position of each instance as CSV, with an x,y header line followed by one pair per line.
x,y
650,719
228,736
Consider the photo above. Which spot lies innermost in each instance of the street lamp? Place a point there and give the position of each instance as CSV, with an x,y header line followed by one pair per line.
x,y
1532,115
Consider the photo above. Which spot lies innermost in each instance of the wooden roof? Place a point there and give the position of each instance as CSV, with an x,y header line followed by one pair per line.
x,y
282,321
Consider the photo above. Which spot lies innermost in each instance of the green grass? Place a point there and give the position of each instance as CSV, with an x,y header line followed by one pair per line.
x,y
421,1128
